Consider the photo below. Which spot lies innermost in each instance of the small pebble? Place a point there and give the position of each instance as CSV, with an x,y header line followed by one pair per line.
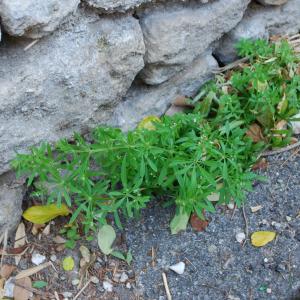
x,y
128,285
269,291
94,280
67,294
37,258
178,268
124,277
280,268
288,218
212,248
231,205
53,258
107,286
240,237
75,281
266,260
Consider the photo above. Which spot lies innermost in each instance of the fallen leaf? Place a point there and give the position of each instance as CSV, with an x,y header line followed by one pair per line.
x,y
149,123
214,197
20,239
283,105
85,253
255,209
68,263
254,132
46,230
39,284
6,271
182,101
173,110
197,223
261,238
281,125
179,222
21,293
13,251
45,213
106,237
31,271
36,228
59,240
262,164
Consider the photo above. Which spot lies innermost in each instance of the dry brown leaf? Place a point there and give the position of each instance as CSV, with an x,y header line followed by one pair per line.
x,y
46,230
36,228
260,165
34,270
281,125
13,251
255,133
182,101
2,282
21,293
20,239
197,223
59,240
174,110
6,271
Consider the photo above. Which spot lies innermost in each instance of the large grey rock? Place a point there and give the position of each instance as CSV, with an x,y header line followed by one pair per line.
x,y
34,18
260,22
112,6
176,34
143,100
272,2
11,196
69,81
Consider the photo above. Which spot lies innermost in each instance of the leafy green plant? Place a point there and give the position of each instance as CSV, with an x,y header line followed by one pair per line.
x,y
265,91
191,157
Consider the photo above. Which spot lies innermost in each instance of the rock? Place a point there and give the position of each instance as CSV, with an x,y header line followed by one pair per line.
x,y
11,207
240,237
154,100
34,18
53,258
272,2
37,258
231,205
69,81
175,36
75,281
260,22
111,6
178,268
123,278
107,286
9,288
67,294
94,280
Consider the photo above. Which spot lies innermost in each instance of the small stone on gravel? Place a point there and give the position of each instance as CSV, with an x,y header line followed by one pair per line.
x,y
75,281
124,277
37,258
107,286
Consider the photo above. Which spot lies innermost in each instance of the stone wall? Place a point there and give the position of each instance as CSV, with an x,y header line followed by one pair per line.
x,y
71,65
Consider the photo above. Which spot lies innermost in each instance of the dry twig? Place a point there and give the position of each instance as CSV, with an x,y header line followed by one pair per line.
x,y
169,297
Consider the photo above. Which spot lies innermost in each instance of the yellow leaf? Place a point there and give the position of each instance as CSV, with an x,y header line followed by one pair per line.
x,y
149,123
261,238
68,263
45,213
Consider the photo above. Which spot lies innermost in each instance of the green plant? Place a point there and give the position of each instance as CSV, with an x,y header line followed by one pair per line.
x,y
191,158
265,91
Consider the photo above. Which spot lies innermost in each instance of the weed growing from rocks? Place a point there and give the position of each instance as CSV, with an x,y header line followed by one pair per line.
x,y
196,159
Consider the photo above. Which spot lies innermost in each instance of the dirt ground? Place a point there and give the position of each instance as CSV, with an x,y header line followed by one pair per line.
x,y
217,266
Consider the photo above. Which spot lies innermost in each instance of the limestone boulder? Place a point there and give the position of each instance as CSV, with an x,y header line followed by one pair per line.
x,y
69,81
144,100
34,18
111,6
260,22
176,35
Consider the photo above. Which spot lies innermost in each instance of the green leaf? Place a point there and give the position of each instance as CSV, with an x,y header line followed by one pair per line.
x,y
106,237
179,222
124,172
39,284
68,263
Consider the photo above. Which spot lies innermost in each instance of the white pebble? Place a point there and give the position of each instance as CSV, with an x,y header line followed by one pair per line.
x,y
128,285
53,258
240,237
9,288
67,294
231,205
94,279
266,260
178,268
124,277
37,258
107,286
269,291
288,218
75,281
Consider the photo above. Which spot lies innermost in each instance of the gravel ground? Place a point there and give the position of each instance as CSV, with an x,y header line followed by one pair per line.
x,y
217,266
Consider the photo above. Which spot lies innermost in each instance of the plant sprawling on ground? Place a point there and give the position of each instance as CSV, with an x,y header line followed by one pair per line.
x,y
192,158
